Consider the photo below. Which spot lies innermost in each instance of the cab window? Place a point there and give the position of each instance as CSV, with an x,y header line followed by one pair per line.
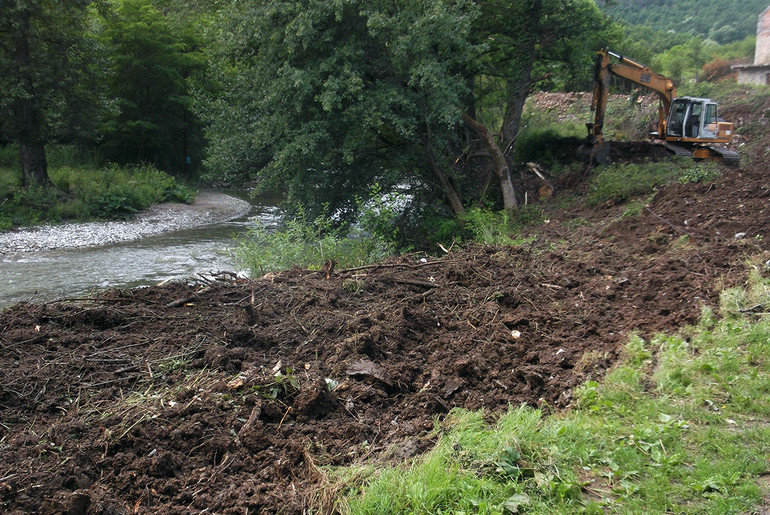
x,y
711,113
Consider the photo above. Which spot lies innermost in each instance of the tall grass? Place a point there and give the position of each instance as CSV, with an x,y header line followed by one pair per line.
x,y
81,190
308,244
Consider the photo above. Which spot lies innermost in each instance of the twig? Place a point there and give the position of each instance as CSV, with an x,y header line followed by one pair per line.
x,y
414,282
390,265
752,309
182,302
284,418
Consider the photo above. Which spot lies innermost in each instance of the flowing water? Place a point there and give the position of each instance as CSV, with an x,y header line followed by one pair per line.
x,y
50,275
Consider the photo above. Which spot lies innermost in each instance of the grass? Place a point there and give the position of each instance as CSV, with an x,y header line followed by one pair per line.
x,y
680,425
308,244
500,228
618,183
82,191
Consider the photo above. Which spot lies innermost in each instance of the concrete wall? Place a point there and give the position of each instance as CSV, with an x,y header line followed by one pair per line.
x,y
753,74
762,54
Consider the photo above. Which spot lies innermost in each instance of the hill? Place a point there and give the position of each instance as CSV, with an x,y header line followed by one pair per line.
x,y
227,397
719,20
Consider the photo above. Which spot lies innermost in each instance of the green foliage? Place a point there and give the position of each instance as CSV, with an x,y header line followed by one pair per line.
x,y
49,62
676,426
152,59
82,193
718,20
617,183
499,228
701,172
307,243
340,95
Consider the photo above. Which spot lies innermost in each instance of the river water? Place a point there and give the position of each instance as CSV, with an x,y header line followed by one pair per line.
x,y
181,254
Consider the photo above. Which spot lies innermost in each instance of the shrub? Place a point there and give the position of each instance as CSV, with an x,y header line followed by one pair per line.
x,y
308,244
82,192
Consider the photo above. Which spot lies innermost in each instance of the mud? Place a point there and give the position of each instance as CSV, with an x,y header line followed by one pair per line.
x,y
230,396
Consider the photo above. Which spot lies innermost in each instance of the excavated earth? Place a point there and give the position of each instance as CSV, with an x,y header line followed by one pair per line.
x,y
231,396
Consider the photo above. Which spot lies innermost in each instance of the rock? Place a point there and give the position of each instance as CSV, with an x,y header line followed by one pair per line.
x,y
370,369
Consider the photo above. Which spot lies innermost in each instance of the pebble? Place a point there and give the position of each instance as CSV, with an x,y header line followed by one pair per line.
x,y
208,208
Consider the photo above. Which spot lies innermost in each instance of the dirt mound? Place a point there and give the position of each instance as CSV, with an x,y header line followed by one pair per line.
x,y
229,396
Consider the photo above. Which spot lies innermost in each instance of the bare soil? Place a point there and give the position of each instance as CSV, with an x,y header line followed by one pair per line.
x,y
227,397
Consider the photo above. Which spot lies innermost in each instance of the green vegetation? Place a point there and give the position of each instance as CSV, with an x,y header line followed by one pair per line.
x,y
616,183
500,228
85,192
718,20
681,424
309,243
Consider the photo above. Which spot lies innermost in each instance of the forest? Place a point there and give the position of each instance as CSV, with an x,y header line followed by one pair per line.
x,y
717,20
321,100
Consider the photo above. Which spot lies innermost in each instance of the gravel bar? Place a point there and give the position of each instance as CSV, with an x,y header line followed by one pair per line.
x,y
208,208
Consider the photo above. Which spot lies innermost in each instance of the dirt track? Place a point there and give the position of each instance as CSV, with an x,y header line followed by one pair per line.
x,y
227,397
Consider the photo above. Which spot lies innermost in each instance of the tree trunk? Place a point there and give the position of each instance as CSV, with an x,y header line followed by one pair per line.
x,y
449,192
34,165
501,168
29,118
518,88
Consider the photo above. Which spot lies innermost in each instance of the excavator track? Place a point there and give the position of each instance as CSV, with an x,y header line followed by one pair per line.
x,y
728,157
675,149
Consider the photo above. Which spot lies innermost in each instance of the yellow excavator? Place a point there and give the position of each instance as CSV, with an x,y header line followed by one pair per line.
x,y
687,126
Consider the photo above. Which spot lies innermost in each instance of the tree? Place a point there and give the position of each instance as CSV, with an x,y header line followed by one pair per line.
x,y
326,97
150,64
525,38
44,57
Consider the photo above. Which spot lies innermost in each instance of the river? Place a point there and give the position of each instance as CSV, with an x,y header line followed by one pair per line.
x,y
180,254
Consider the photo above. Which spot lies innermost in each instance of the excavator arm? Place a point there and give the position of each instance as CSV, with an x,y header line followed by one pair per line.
x,y
635,72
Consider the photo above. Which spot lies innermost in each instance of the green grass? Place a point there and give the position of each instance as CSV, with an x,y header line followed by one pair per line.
x,y
82,191
308,244
617,183
680,425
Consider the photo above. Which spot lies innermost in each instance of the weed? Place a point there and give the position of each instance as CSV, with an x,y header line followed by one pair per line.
x,y
309,244
701,172
498,228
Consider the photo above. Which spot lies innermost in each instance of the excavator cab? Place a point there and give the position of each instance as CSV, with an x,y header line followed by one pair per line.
x,y
696,120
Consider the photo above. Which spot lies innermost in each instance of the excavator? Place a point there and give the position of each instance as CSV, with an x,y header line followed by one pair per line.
x,y
687,126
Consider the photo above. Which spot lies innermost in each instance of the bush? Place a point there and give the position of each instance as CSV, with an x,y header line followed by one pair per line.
x,y
308,244
82,193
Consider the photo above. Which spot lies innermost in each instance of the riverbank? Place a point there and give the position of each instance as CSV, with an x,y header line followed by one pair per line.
x,y
209,207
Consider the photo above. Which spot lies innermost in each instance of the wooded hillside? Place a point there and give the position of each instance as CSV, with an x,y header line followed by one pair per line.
x,y
715,19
